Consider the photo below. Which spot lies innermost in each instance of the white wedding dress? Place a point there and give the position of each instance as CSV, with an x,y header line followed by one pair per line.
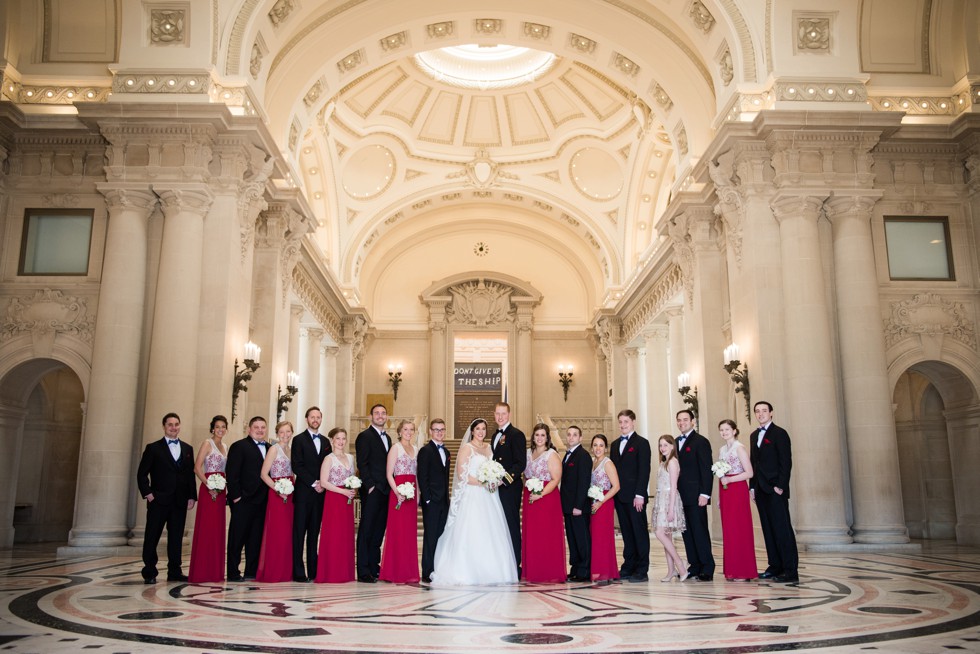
x,y
475,549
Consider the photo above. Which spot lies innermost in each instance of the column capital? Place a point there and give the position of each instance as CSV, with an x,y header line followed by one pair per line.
x,y
330,350
137,197
312,333
797,205
852,205
655,333
184,198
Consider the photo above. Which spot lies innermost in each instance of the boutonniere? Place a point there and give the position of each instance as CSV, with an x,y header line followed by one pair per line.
x,y
687,449
503,439
630,449
766,440
571,464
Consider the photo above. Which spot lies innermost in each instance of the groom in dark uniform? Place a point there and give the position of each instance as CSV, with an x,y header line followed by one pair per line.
x,y
434,466
510,450
165,478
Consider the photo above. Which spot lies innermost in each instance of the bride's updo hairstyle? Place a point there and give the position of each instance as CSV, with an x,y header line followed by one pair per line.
x,y
475,423
548,445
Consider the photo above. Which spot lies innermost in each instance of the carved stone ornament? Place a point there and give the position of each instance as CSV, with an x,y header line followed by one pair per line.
x,y
701,16
725,68
813,35
167,26
440,30
480,303
661,98
60,200
682,141
293,136
683,253
488,25
581,43
482,172
350,62
280,11
255,60
930,314
46,312
394,41
536,31
625,65
143,82
313,94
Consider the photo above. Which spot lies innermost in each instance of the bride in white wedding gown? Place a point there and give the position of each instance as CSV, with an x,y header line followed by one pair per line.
x,y
475,549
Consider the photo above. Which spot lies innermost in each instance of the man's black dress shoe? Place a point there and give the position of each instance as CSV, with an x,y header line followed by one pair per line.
x,y
636,579
367,579
152,580
769,575
176,577
427,580
301,580
234,580
248,578
705,577
787,578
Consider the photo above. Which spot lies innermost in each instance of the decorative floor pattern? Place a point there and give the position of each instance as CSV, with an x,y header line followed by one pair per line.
x,y
928,602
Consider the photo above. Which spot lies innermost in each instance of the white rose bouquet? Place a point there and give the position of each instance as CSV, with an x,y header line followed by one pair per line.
x,y
216,483
534,486
596,494
406,490
491,473
352,483
719,469
284,486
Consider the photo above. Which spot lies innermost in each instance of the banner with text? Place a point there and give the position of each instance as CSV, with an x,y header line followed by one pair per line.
x,y
479,377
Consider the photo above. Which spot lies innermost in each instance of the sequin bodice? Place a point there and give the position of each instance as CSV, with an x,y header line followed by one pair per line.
x,y
730,456
538,468
338,473
404,464
281,467
599,476
214,461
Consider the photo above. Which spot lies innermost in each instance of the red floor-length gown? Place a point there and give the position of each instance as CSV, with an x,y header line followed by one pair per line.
x,y
276,558
208,546
542,528
400,556
736,522
335,561
604,565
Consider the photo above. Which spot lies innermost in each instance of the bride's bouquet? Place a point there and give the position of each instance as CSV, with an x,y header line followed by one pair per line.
x,y
216,483
406,490
351,483
283,486
491,474
719,469
595,493
534,486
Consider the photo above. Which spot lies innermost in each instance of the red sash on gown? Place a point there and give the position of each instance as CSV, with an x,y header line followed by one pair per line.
x,y
604,565
543,540
335,559
400,557
276,559
208,546
736,527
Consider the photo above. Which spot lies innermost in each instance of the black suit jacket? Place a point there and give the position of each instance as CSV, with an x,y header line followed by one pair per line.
x,y
771,463
372,461
511,453
633,466
306,464
171,482
433,476
695,478
243,470
576,477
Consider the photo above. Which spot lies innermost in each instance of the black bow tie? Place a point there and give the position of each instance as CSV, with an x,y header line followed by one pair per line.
x,y
173,442
315,436
500,431
440,446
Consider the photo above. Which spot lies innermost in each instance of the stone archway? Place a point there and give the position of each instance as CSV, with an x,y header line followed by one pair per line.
x,y
41,417
938,428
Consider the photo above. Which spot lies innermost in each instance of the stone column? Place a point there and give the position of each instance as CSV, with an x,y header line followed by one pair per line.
x,y
172,372
819,516
309,372
872,446
676,364
636,386
12,428
440,388
659,391
105,474
352,341
521,397
293,412
328,385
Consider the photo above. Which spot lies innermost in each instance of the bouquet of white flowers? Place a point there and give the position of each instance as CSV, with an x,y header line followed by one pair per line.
x,y
535,486
491,473
596,494
719,469
216,483
283,486
353,483
406,490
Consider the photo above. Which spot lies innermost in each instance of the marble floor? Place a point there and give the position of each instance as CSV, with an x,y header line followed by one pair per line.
x,y
892,602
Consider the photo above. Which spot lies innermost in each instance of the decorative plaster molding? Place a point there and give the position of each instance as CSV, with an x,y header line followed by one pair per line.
x,y
298,226
488,26
625,65
60,200
255,60
661,97
47,311
929,314
813,34
536,31
351,61
580,43
658,297
167,26
22,94
314,93
683,253
818,91
394,41
681,140
315,301
293,135
142,82
730,207
725,67
917,105
702,18
480,303
280,11
440,30
251,202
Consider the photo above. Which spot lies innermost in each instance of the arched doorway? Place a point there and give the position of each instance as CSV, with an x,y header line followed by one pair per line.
x,y
937,419
41,415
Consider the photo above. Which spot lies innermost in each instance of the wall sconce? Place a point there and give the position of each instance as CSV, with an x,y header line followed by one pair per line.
x,y
739,373
243,375
684,388
395,378
565,379
283,399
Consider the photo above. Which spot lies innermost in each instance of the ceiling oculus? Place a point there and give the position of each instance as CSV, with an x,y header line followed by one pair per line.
x,y
485,66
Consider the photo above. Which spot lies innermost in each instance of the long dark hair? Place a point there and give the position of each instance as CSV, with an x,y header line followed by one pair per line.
x,y
475,423
548,445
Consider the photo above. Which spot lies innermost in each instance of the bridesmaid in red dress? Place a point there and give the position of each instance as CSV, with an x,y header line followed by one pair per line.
x,y
335,561
733,499
543,533
208,546
604,475
276,558
400,557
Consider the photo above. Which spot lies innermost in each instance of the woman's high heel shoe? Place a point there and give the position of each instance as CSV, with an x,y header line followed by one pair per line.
x,y
682,577
670,575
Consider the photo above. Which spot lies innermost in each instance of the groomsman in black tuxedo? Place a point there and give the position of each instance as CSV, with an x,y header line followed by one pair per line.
x,y
307,452
434,471
247,496
631,456
772,462
694,486
576,477
509,446
371,448
165,478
